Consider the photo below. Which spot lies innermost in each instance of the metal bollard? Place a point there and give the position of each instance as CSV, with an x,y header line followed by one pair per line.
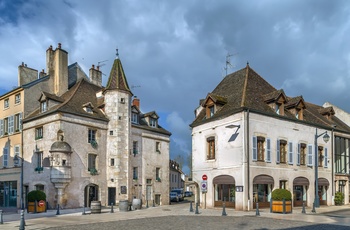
x,y
196,209
257,213
191,208
22,224
84,213
153,204
58,209
112,211
303,210
1,219
313,208
223,209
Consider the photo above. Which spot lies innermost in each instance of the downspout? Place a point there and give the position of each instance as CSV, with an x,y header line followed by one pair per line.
x,y
247,153
332,162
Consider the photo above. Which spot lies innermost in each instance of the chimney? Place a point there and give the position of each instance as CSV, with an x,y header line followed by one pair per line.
x,y
42,73
57,68
95,76
136,102
26,74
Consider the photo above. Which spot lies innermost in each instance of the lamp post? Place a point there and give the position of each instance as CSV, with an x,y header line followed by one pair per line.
x,y
326,139
16,161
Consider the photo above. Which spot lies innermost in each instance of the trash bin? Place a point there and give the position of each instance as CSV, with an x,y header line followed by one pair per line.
x,y
123,205
95,207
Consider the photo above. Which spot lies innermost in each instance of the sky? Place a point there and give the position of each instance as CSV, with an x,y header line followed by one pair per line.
x,y
174,52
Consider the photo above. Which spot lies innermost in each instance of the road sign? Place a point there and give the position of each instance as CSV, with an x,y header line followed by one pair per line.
x,y
204,177
204,186
41,203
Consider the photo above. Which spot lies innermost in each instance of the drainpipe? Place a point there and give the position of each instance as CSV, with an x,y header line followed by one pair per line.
x,y
247,153
332,162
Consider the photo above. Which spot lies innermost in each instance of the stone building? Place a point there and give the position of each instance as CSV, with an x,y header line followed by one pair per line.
x,y
176,177
250,138
78,137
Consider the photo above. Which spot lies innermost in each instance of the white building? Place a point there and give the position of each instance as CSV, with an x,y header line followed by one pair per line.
x,y
250,138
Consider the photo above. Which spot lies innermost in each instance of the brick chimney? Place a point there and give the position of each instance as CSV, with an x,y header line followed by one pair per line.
x,y
57,67
26,74
136,102
95,76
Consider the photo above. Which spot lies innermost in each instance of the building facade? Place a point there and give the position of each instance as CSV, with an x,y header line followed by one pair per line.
x,y
250,138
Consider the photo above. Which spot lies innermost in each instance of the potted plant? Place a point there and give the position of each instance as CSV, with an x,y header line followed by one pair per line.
x,y
36,201
339,198
281,201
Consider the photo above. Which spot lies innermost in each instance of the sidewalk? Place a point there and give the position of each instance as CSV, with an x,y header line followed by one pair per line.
x,y
74,216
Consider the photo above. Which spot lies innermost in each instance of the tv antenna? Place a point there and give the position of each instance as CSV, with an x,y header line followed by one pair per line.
x,y
134,86
228,62
99,63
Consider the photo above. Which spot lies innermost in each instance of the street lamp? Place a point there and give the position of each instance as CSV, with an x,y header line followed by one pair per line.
x,y
16,160
325,139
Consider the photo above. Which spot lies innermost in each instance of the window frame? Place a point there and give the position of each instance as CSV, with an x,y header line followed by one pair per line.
x,y
6,103
134,118
44,106
17,98
135,173
211,148
92,161
39,133
92,135
135,147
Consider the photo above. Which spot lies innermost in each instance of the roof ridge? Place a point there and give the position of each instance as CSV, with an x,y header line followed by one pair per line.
x,y
77,86
245,86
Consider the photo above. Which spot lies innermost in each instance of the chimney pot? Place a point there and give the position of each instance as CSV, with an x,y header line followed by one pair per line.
x,y
93,66
42,71
98,67
59,45
22,63
50,47
25,65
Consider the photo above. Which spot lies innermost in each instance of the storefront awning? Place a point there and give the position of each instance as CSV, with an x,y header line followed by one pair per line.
x,y
323,182
301,181
263,179
224,179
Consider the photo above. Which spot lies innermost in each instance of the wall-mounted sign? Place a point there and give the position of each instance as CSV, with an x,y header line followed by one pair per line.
x,y
123,189
239,188
204,186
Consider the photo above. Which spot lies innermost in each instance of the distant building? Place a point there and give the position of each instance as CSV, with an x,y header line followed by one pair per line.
x,y
84,142
176,176
250,138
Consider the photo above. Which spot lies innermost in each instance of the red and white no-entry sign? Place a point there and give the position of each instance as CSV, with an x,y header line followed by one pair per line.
x,y
204,177
41,203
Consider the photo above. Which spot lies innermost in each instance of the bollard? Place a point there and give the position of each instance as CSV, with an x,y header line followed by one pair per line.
x,y
147,204
191,208
35,205
22,224
1,219
153,204
303,210
257,213
313,208
223,209
58,209
196,209
271,206
84,213
112,211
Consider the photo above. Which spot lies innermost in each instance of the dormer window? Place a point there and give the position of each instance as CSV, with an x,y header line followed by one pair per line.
x,y
211,111
277,108
134,118
43,106
88,107
152,122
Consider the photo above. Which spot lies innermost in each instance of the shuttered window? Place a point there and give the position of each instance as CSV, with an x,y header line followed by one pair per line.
x,y
255,151
309,155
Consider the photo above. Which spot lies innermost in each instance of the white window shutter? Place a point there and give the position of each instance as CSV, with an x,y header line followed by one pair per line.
x,y
268,150
326,158
298,155
5,152
309,156
20,121
278,152
1,127
11,125
255,153
290,152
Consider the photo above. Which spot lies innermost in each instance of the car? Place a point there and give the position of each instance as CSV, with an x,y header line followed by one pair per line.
x,y
174,197
180,193
188,194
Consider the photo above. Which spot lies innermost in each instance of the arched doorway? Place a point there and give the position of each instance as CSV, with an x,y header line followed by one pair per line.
x,y
224,190
323,185
90,194
262,187
300,186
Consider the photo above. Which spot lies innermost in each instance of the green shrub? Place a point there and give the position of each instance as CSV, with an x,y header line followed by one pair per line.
x,y
279,194
339,198
36,195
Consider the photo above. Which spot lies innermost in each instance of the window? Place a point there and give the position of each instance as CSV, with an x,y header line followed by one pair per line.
x,y
149,181
6,126
135,147
10,124
211,111
1,128
112,161
341,154
283,184
92,162
268,150
158,147
290,153
39,187
17,98
261,149
88,109
211,148
91,136
6,103
320,156
153,122
18,122
277,108
134,118
17,152
39,161
135,173
158,174
309,155
5,157
325,157
43,106
281,151
301,154
39,133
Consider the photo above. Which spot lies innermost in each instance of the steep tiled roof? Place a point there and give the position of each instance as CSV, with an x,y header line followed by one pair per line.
x,y
117,79
245,89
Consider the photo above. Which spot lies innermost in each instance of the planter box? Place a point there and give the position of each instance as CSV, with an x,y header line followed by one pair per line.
x,y
31,207
277,206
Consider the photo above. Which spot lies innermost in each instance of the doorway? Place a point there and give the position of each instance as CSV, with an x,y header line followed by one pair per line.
x,y
90,194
